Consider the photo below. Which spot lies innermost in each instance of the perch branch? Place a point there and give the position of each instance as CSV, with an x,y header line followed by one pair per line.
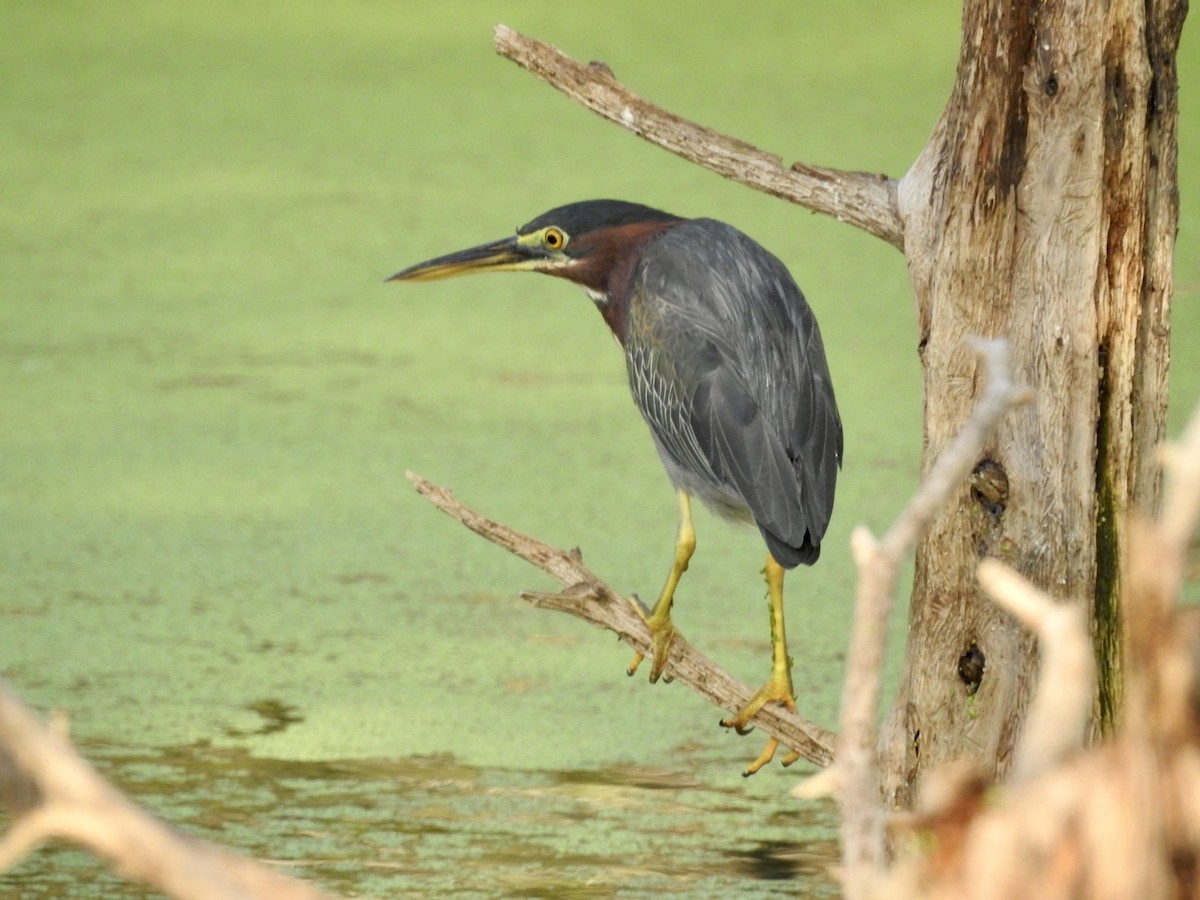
x,y
586,597
862,827
859,198
51,792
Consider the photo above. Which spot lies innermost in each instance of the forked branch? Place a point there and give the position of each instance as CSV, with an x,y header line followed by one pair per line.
x,y
859,198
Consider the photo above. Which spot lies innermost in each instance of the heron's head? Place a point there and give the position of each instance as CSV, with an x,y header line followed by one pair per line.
x,y
582,242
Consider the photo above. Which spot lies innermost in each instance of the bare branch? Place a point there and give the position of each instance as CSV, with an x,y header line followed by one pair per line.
x,y
53,793
863,849
861,199
588,598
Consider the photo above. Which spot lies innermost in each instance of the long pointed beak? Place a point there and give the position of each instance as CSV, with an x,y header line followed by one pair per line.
x,y
493,257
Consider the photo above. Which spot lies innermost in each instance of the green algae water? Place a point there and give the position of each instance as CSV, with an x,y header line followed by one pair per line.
x,y
210,557
431,826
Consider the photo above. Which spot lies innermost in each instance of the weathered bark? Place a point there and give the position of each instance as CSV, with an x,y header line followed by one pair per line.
x,y
1042,210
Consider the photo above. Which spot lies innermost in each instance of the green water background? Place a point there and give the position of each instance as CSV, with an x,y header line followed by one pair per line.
x,y
209,554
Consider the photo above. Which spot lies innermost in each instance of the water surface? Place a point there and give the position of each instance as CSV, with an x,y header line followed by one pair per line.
x,y
209,555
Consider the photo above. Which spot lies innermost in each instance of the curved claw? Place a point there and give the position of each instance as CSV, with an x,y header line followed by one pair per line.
x,y
741,728
763,758
776,690
767,755
632,668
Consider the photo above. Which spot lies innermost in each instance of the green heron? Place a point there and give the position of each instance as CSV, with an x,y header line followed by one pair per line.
x,y
726,364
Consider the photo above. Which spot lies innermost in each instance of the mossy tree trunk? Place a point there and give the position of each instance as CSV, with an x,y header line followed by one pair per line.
x,y
1043,210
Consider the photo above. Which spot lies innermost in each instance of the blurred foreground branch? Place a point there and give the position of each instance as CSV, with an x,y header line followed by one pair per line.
x,y
51,793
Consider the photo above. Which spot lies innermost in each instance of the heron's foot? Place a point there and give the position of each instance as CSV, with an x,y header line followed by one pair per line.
x,y
777,690
767,755
662,633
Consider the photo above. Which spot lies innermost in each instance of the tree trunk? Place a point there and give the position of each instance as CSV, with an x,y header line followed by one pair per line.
x,y
1043,210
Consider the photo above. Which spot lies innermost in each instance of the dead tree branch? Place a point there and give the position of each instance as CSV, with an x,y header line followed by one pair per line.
x,y
861,199
51,792
586,597
878,561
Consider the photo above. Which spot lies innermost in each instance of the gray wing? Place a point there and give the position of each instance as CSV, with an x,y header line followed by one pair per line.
x,y
727,365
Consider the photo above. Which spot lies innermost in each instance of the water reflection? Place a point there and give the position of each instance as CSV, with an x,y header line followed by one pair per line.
x,y
435,827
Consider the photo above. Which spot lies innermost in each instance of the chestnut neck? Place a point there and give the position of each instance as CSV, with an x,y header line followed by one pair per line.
x,y
605,265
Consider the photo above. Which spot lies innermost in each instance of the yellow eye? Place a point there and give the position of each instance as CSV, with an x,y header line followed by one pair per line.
x,y
554,239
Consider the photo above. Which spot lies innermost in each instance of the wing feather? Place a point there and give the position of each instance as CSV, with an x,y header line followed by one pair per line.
x,y
727,365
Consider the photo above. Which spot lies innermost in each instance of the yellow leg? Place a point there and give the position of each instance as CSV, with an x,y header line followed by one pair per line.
x,y
658,619
778,688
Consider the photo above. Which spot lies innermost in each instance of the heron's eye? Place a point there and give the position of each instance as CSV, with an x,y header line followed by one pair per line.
x,y
554,239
